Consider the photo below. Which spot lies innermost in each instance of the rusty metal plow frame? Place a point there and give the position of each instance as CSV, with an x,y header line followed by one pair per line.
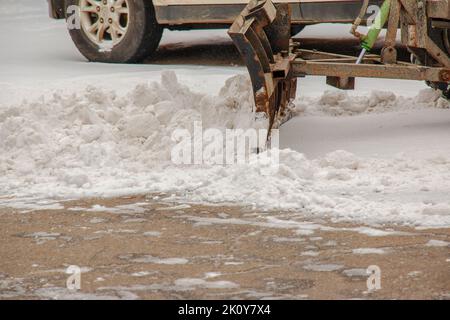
x,y
262,35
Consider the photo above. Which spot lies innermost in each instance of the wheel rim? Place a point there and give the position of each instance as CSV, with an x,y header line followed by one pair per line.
x,y
105,22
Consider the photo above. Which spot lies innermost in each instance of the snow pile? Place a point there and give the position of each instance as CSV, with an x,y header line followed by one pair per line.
x,y
339,186
73,142
339,103
96,143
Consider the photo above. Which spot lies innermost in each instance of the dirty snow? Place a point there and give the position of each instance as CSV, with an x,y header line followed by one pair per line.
x,y
371,232
42,237
155,260
369,251
310,253
141,274
152,234
192,283
70,129
437,243
323,267
356,272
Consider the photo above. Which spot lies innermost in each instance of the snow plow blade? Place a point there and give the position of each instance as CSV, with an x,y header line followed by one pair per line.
x,y
262,35
274,60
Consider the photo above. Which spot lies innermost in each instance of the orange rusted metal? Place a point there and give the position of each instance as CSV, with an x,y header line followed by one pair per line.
x,y
274,61
262,33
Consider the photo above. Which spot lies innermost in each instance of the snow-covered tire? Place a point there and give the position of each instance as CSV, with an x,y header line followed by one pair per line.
x,y
129,31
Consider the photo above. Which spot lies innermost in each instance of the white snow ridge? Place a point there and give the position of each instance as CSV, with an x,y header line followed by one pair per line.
x,y
93,142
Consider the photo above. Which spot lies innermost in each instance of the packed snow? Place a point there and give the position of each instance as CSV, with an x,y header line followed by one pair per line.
x,y
437,243
323,267
369,251
72,129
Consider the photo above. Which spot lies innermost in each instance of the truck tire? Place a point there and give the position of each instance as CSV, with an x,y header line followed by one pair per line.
x,y
114,31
